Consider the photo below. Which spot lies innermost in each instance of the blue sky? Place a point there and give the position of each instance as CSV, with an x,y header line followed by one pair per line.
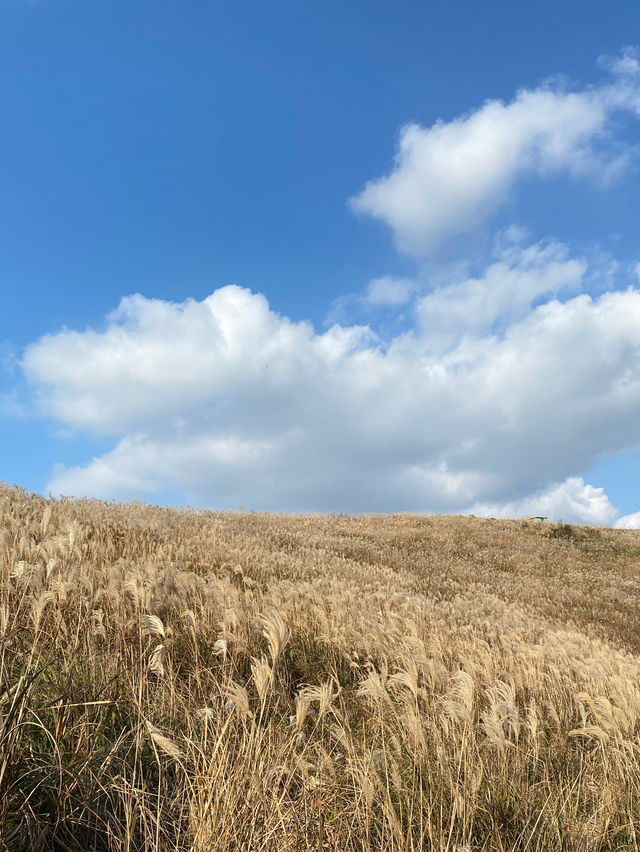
x,y
173,149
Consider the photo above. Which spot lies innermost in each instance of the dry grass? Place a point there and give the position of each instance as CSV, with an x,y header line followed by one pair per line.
x,y
177,680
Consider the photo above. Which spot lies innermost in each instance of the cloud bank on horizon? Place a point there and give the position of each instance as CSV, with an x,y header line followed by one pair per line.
x,y
506,385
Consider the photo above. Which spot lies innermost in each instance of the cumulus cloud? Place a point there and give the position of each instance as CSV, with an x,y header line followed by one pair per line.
x,y
629,522
233,404
573,501
452,176
160,362
504,293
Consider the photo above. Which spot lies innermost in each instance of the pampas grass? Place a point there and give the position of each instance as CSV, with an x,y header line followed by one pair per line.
x,y
178,680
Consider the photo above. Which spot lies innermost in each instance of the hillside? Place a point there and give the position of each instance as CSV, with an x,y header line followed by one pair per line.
x,y
181,680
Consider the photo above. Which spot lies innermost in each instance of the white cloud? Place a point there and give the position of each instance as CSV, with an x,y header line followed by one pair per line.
x,y
159,360
231,404
140,467
627,65
504,293
573,501
629,522
389,291
452,176
383,295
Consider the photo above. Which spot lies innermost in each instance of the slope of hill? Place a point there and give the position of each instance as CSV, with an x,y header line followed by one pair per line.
x,y
180,680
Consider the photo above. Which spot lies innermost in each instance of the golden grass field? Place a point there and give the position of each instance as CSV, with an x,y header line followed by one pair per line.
x,y
199,680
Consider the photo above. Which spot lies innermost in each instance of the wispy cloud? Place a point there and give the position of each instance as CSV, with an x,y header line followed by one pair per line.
x,y
451,177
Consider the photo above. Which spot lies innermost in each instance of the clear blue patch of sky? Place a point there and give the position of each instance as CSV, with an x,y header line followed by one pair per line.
x,y
620,477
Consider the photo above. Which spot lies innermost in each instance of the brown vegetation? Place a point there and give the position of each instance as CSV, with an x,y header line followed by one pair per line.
x,y
180,680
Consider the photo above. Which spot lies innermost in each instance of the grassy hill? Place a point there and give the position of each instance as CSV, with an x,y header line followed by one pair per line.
x,y
180,680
